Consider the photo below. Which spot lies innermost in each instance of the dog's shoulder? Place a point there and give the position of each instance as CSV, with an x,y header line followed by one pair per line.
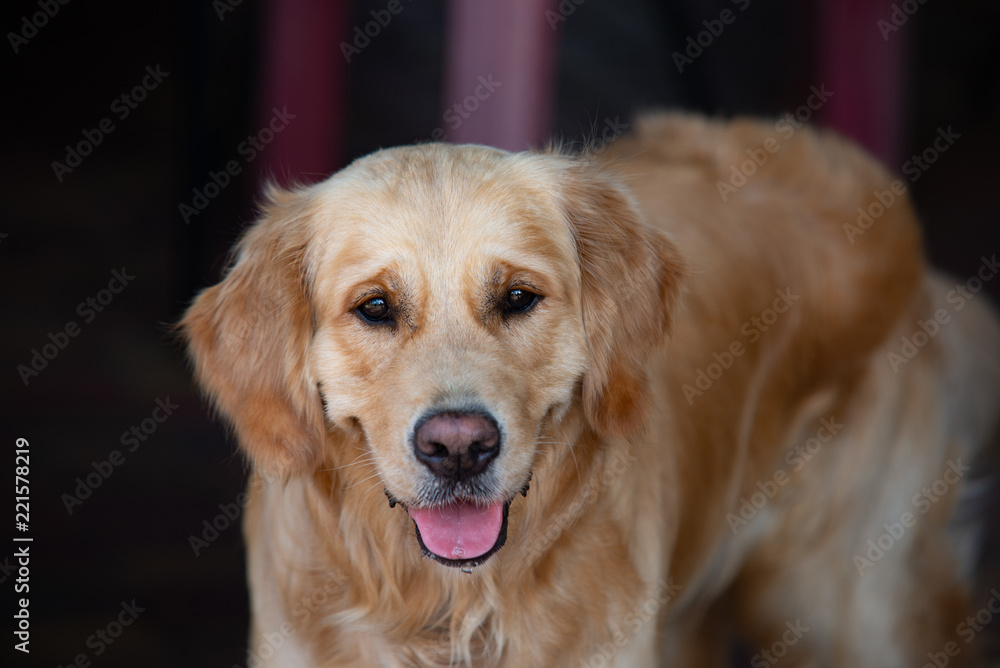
x,y
763,209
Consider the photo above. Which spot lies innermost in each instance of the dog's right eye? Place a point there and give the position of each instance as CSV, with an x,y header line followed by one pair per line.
x,y
520,300
375,310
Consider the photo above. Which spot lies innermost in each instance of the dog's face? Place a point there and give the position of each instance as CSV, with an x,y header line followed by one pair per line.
x,y
449,330
446,302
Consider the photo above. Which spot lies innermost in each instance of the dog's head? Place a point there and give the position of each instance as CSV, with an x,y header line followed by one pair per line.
x,y
445,302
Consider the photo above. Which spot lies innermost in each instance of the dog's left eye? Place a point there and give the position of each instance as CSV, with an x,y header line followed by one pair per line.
x,y
520,300
375,309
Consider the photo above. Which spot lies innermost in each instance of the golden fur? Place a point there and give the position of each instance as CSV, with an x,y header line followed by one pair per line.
x,y
625,551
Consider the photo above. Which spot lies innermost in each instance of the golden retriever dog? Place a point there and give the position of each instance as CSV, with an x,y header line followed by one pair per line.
x,y
609,409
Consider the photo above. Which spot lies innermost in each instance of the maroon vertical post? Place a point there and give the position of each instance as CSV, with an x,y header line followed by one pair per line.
x,y
302,83
499,73
861,62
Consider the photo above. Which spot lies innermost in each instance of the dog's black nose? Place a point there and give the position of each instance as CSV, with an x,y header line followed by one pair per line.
x,y
457,445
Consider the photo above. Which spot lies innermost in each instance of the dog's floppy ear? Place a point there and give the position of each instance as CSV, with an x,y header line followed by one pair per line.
x,y
631,278
249,336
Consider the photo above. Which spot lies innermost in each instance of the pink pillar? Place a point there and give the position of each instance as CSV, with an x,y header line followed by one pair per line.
x,y
499,73
303,72
862,63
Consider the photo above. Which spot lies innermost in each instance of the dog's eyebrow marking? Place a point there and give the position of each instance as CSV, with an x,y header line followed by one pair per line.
x,y
322,398
405,310
404,303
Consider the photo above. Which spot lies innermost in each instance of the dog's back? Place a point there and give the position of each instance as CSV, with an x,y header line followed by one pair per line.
x,y
829,393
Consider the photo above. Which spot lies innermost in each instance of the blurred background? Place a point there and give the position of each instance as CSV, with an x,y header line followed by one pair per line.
x,y
136,137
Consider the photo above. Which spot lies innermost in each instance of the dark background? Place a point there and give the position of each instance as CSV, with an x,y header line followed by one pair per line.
x,y
119,209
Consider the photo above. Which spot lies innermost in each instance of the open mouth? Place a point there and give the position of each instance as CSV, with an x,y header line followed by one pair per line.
x,y
463,533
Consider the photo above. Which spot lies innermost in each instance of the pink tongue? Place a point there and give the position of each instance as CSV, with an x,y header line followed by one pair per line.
x,y
460,530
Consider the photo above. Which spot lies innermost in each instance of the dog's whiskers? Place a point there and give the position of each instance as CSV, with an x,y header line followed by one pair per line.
x,y
576,464
375,485
365,457
549,442
373,475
